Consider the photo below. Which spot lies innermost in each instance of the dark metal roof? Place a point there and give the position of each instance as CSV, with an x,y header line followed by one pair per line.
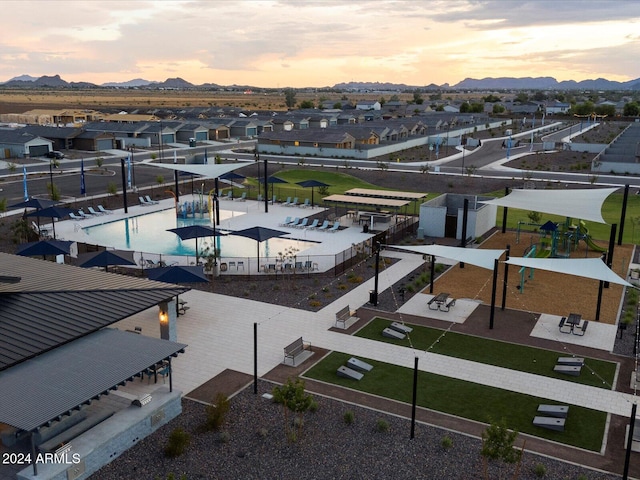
x,y
44,388
33,323
53,304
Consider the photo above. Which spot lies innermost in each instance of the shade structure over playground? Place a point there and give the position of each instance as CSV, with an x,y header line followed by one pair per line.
x,y
206,170
585,204
593,268
484,258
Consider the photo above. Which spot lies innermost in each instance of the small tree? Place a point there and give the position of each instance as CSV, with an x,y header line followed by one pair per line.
x,y
217,413
498,444
112,188
293,398
534,217
290,97
159,181
99,162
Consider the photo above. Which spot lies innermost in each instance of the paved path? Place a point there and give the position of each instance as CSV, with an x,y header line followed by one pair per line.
x,y
219,332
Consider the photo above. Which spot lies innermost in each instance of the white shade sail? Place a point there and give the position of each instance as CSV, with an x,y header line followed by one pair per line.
x,y
479,257
582,267
206,170
585,204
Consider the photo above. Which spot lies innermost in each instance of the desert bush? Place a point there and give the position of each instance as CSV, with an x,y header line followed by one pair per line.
x,y
216,414
349,417
446,442
382,426
178,442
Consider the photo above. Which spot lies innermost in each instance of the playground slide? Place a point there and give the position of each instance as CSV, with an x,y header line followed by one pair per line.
x,y
588,240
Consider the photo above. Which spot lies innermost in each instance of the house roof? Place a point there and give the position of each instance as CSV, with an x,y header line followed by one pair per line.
x,y
52,132
53,304
56,383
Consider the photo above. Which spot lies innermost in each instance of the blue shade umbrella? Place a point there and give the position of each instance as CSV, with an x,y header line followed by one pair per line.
x,y
272,181
37,203
259,234
178,274
195,231
106,258
312,184
51,212
24,182
45,247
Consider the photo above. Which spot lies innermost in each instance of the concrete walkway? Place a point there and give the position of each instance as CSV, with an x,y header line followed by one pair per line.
x,y
219,332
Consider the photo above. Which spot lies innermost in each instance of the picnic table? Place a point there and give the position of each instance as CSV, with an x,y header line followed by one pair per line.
x,y
441,302
573,320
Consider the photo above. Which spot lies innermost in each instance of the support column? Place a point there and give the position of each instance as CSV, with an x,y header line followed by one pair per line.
x,y
168,321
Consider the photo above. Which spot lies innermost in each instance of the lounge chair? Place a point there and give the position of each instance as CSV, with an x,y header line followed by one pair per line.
x,y
150,263
293,223
336,226
287,203
73,216
243,197
303,223
294,203
162,263
148,199
232,265
44,232
306,203
274,199
324,225
143,202
313,225
286,222
84,215
94,212
260,198
104,210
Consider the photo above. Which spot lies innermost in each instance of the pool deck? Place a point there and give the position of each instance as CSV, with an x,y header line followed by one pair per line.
x,y
250,213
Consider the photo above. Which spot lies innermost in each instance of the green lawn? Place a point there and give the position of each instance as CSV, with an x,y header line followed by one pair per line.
x,y
584,428
596,373
339,183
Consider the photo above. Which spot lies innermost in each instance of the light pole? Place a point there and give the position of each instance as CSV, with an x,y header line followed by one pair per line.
x,y
52,164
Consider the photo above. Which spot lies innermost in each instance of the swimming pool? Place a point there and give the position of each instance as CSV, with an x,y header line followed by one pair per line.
x,y
148,233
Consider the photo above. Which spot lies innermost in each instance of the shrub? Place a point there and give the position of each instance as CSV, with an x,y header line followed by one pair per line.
x,y
382,425
224,437
446,442
341,286
349,417
178,442
216,413
313,408
314,303
263,432
355,279
540,470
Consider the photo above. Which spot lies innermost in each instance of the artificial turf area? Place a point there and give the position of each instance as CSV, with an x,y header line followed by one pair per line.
x,y
596,373
584,428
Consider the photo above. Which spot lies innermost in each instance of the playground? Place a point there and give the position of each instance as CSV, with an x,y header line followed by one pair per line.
x,y
542,291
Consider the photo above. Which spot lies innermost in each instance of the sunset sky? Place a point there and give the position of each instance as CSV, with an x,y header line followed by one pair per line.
x,y
298,43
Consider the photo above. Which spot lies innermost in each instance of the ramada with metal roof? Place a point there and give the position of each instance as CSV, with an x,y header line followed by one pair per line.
x,y
53,337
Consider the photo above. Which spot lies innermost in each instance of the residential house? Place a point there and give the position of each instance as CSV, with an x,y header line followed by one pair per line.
x,y
22,144
368,105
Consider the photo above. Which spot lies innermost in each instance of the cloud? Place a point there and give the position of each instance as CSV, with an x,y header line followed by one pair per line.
x,y
316,42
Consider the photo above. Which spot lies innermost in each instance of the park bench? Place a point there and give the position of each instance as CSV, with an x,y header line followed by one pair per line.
x,y
294,349
70,433
344,315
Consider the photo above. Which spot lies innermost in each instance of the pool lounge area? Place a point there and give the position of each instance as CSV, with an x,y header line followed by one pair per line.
x,y
135,231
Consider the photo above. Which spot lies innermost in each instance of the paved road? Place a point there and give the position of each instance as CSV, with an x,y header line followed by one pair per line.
x,y
486,161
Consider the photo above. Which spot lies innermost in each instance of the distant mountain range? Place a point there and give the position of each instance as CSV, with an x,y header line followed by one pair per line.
x,y
489,83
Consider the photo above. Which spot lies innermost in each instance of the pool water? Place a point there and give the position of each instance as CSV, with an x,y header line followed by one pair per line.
x,y
148,233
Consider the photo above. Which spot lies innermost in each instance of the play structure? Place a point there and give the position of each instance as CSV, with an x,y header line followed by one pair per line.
x,y
194,208
559,240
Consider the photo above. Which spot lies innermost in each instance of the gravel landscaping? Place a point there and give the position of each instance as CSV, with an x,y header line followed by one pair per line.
x,y
254,446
